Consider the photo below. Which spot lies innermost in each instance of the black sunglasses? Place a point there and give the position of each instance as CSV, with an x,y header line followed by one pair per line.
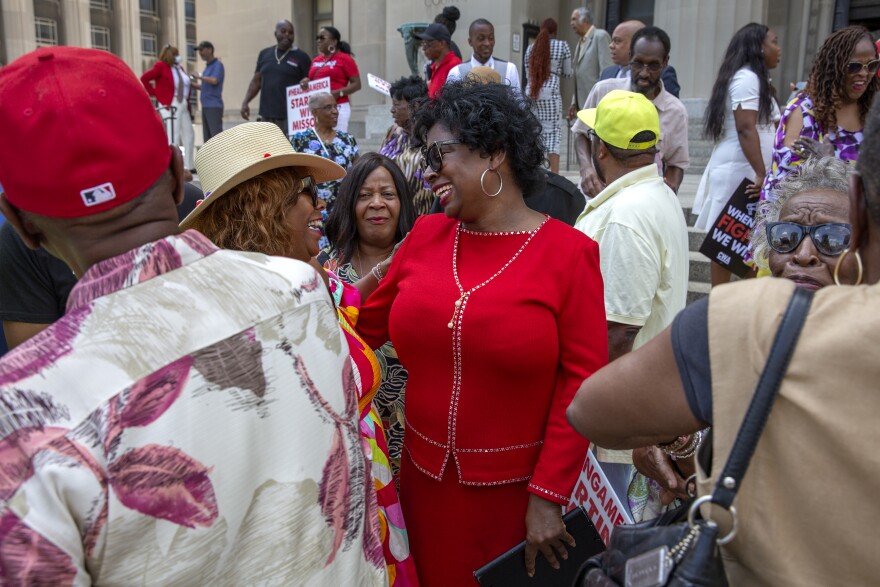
x,y
830,239
854,67
320,38
432,156
308,185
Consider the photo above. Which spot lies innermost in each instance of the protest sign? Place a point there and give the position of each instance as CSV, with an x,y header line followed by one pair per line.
x,y
379,84
727,241
593,491
299,117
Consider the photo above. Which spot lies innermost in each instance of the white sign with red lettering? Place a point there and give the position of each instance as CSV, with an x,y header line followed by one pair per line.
x,y
594,492
299,117
379,84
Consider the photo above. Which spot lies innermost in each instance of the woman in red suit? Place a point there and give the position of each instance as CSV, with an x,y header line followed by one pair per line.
x,y
171,86
497,312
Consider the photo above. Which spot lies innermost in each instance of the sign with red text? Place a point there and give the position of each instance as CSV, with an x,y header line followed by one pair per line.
x,y
727,242
299,117
593,491
379,84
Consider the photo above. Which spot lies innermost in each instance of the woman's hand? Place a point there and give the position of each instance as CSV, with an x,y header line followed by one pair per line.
x,y
304,83
545,532
385,265
655,464
806,147
753,190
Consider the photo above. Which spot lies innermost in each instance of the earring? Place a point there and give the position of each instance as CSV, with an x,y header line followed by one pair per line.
x,y
332,49
500,182
858,264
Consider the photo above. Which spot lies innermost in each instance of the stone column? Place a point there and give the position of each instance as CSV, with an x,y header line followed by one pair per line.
x,y
700,32
19,34
76,20
127,32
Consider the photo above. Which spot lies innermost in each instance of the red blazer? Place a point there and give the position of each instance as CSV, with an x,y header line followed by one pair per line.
x,y
163,83
527,341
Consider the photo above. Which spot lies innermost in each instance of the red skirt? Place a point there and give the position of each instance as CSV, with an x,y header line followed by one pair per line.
x,y
455,529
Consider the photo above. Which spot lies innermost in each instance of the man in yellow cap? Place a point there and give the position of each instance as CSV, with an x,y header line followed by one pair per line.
x,y
641,232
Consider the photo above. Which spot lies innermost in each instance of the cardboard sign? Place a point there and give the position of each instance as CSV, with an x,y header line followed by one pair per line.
x,y
299,118
727,241
593,491
379,84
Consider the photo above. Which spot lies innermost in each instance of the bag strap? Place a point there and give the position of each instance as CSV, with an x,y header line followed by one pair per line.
x,y
759,409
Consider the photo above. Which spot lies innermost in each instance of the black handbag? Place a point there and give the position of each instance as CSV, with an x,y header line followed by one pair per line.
x,y
680,549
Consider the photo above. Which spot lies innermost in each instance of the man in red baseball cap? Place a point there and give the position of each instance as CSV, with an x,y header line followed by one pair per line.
x,y
192,406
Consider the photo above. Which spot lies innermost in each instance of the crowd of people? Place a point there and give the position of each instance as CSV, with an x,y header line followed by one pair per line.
x,y
325,366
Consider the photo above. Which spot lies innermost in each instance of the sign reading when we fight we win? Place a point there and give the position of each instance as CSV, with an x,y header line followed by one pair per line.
x,y
727,242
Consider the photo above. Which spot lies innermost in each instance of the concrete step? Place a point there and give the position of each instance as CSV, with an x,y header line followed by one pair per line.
x,y
699,268
697,290
695,238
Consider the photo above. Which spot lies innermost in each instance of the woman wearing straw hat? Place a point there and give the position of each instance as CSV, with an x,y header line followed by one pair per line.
x,y
261,196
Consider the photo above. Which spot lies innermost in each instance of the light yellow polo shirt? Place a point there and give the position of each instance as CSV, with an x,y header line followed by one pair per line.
x,y
643,250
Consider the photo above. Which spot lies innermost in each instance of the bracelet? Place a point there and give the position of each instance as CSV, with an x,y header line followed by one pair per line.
x,y
377,272
686,450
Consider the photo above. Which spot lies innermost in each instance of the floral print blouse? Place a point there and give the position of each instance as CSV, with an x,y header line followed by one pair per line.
x,y
343,150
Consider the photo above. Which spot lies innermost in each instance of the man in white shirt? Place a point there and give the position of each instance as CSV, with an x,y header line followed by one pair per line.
x,y
481,38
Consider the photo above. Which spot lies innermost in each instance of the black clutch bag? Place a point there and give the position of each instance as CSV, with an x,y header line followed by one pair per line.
x,y
509,569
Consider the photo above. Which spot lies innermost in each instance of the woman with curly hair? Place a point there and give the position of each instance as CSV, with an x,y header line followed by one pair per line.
x,y
261,196
398,146
373,212
740,119
828,116
497,312
547,60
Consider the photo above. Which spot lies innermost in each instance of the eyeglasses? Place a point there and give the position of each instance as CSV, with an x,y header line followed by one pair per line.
x,y
433,157
830,239
320,38
308,185
854,67
426,44
652,67
328,108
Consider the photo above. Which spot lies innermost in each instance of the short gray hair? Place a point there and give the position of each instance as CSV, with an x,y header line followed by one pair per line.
x,y
314,98
816,173
584,14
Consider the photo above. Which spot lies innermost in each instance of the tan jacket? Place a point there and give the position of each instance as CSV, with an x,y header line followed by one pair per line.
x,y
807,507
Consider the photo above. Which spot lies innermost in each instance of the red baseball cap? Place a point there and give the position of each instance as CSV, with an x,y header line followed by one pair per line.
x,y
80,134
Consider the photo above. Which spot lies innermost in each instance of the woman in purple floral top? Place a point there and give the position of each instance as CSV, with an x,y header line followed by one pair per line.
x,y
827,118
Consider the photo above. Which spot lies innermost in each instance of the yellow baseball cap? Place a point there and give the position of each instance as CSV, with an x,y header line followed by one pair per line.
x,y
620,116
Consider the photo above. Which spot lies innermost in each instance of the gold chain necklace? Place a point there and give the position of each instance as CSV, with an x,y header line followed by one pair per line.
x,y
279,59
360,268
461,302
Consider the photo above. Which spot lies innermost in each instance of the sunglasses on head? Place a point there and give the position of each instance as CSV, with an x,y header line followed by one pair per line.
x,y
308,185
854,67
829,239
432,156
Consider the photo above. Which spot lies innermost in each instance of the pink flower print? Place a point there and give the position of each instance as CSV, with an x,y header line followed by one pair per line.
x,y
163,482
27,558
16,454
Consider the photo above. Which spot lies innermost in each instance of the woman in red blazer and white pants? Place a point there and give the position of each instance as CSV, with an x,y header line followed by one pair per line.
x,y
170,84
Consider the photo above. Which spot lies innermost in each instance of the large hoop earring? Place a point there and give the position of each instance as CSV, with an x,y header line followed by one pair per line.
x,y
858,263
500,182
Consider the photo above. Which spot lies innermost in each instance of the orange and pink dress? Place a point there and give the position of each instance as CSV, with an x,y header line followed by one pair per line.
x,y
395,540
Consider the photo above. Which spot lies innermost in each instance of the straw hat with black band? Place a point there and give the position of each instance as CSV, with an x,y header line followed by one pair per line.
x,y
244,152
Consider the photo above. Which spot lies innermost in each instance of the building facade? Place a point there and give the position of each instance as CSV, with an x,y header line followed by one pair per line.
x,y
136,30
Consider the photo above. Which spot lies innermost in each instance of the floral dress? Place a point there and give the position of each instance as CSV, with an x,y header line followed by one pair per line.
x,y
785,160
343,150
395,542
389,399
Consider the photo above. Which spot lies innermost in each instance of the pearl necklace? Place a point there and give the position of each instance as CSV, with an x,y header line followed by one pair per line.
x,y
461,302
279,59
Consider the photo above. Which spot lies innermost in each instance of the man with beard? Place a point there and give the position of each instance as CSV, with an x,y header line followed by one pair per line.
x,y
649,54
621,40
277,68
641,233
